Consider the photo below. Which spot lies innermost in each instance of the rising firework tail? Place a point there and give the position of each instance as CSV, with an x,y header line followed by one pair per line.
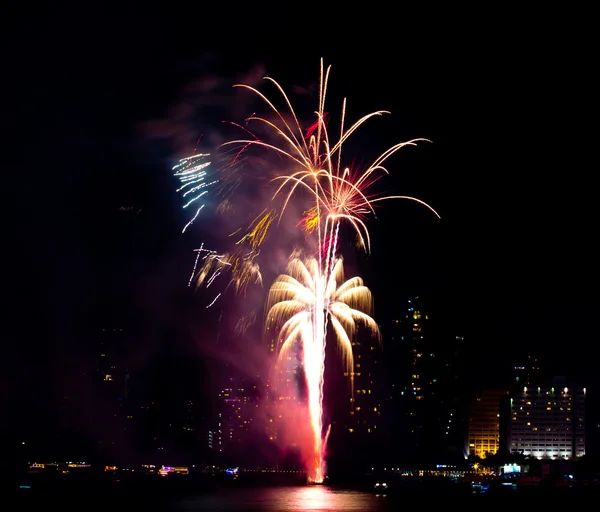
x,y
305,291
300,304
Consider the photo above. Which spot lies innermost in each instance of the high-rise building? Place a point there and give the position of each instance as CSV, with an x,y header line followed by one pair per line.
x,y
423,399
453,393
484,420
548,422
236,401
111,371
411,367
366,399
114,415
354,406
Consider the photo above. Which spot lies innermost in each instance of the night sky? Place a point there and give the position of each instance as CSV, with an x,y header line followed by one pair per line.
x,y
506,101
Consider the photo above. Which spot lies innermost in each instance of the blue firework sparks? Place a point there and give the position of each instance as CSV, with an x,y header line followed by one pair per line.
x,y
192,173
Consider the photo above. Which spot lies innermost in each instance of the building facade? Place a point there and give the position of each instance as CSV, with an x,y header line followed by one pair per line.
x,y
235,413
484,433
548,422
423,401
365,400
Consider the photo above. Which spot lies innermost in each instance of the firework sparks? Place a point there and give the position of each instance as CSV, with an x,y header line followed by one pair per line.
x,y
242,267
192,175
299,305
312,295
198,254
212,266
308,296
244,323
214,300
241,263
339,193
245,271
258,229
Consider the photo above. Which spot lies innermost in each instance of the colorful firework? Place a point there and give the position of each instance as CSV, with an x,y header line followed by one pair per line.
x,y
337,194
312,295
242,267
242,262
192,176
258,229
212,265
299,305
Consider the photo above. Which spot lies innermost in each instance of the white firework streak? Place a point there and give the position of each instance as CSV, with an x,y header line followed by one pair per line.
x,y
212,271
192,176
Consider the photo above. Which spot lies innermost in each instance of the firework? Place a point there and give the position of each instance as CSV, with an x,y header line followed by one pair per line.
x,y
242,262
312,295
192,173
338,193
308,297
243,269
258,229
300,304
244,323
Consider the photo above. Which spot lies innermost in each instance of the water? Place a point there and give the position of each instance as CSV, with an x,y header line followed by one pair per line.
x,y
314,498
309,498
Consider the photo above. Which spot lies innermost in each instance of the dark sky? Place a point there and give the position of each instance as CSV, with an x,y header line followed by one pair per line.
x,y
506,100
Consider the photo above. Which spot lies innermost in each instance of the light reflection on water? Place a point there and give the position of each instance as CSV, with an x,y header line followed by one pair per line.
x,y
286,499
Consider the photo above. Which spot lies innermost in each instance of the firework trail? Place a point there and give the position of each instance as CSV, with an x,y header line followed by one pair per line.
x,y
312,295
242,262
298,304
338,194
213,264
198,254
192,175
244,323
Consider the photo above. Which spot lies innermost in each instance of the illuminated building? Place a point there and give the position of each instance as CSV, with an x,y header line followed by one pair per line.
x,y
484,412
413,380
365,404
236,401
548,422
423,403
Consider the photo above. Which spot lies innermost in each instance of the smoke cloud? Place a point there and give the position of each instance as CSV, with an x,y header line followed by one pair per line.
x,y
229,326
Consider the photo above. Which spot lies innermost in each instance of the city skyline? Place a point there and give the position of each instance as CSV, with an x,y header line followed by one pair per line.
x,y
115,408
97,243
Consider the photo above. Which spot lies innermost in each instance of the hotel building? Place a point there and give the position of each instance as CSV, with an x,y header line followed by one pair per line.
x,y
548,422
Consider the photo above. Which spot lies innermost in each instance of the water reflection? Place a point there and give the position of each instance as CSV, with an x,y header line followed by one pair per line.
x,y
286,499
